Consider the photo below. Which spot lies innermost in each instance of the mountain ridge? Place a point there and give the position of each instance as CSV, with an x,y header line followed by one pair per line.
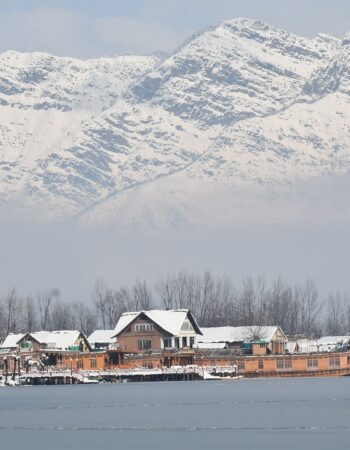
x,y
240,104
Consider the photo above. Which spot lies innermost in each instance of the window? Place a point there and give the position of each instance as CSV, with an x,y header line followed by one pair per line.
x,y
284,364
191,342
261,364
262,345
184,342
144,327
80,364
312,363
147,365
145,344
241,366
334,361
288,364
167,343
177,342
93,363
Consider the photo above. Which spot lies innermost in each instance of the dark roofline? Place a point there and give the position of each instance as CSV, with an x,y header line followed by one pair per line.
x,y
189,315
86,340
194,323
28,334
141,313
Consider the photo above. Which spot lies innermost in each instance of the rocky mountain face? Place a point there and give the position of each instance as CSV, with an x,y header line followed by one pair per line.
x,y
240,115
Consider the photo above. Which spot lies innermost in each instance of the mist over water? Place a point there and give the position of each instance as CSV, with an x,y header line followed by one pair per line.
x,y
70,256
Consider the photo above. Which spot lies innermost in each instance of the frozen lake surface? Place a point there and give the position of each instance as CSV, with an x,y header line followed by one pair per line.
x,y
273,414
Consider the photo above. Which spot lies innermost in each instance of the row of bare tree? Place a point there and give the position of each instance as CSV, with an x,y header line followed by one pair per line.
x,y
46,312
214,301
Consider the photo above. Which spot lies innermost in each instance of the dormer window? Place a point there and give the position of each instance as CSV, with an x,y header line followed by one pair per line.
x,y
144,327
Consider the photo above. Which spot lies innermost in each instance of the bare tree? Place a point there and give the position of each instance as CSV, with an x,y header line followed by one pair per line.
x,y
45,302
117,303
310,309
142,295
29,315
166,289
62,317
12,306
100,298
84,318
255,333
336,315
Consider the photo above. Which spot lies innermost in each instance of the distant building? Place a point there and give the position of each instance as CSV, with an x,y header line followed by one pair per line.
x,y
256,340
156,329
323,344
64,340
103,339
10,342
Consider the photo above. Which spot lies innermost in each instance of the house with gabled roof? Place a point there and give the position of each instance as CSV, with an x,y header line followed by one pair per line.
x,y
103,340
10,343
61,340
156,330
258,340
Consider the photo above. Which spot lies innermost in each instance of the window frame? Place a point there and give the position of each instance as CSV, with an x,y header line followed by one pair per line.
x,y
312,363
334,361
168,339
93,363
144,327
142,346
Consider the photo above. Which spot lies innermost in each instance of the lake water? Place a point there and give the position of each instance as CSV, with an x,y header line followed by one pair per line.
x,y
273,414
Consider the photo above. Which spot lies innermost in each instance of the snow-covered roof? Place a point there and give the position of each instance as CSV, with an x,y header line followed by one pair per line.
x,y
237,334
169,320
334,340
209,345
62,340
102,336
324,344
11,340
59,340
40,336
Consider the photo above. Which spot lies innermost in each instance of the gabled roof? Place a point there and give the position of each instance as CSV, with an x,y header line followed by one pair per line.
x,y
169,320
11,340
63,339
56,340
39,336
102,337
238,334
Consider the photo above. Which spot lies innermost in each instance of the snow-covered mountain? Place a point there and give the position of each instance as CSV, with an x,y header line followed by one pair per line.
x,y
240,114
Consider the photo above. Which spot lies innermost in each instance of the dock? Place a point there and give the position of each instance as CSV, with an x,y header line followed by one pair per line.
x,y
178,373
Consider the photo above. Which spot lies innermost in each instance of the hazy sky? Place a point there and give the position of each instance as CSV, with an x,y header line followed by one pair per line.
x,y
38,257
85,28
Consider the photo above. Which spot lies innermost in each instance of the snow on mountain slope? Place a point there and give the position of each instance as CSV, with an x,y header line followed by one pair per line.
x,y
237,108
45,99
42,81
237,70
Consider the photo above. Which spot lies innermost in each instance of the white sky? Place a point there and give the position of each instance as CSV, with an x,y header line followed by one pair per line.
x,y
86,28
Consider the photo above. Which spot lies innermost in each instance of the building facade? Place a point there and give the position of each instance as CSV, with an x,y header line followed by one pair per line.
x,y
156,330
